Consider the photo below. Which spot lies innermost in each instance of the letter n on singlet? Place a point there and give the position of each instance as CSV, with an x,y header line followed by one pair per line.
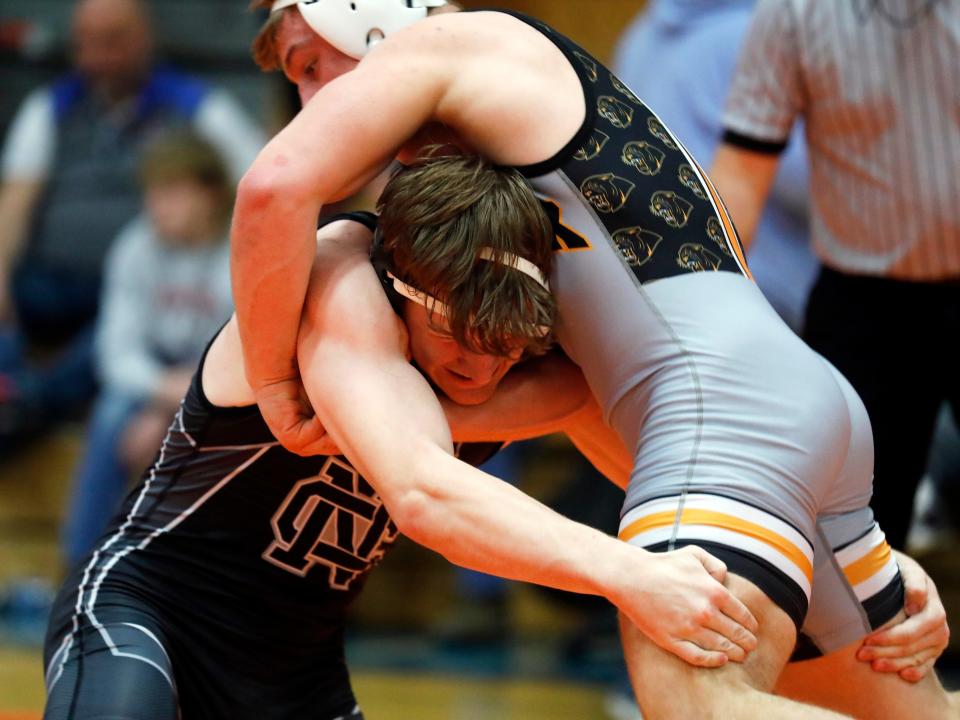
x,y
333,519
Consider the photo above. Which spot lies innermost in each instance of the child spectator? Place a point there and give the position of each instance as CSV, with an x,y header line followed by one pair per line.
x,y
68,186
166,292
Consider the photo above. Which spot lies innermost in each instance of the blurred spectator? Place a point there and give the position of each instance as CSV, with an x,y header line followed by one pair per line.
x,y
693,46
69,185
876,84
166,293
936,512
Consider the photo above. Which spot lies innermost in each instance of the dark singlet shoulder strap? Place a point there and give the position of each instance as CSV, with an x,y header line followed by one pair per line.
x,y
361,216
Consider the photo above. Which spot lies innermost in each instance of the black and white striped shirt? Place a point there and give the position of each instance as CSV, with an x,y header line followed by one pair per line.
x,y
878,83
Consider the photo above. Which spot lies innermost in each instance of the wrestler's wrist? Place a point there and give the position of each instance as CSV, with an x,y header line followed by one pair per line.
x,y
264,380
620,572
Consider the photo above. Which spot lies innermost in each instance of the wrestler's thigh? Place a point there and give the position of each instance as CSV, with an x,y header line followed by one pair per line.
x,y
841,682
117,670
667,687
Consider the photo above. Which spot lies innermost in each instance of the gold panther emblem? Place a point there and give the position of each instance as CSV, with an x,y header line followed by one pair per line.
x,y
673,209
636,244
696,258
623,89
592,147
647,159
589,65
618,113
715,233
607,192
688,177
657,129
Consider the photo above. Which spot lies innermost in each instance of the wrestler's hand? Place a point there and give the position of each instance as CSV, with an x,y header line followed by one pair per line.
x,y
291,419
684,608
910,647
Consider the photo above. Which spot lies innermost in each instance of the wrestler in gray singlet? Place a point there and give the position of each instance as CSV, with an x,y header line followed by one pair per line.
x,y
747,443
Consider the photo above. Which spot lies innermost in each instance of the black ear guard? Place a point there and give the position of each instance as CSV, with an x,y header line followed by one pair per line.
x,y
378,257
383,266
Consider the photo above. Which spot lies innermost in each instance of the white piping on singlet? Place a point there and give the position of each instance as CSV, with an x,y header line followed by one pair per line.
x,y
254,446
183,428
88,610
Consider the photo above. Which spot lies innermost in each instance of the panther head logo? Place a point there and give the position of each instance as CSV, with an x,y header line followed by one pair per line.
x,y
647,159
607,192
689,179
636,244
696,258
657,129
673,209
592,147
623,89
589,65
715,233
619,114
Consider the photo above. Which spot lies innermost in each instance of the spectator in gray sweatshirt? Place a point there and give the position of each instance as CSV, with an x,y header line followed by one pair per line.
x,y
166,293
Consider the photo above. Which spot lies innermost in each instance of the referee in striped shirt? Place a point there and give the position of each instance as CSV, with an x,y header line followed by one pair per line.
x,y
877,83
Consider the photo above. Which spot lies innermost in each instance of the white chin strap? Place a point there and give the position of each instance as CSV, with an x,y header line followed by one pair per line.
x,y
355,27
438,308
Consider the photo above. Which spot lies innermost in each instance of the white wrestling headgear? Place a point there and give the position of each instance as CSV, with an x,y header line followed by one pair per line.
x,y
355,27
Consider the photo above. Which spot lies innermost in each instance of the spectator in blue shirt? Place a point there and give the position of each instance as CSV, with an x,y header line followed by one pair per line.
x,y
679,56
68,184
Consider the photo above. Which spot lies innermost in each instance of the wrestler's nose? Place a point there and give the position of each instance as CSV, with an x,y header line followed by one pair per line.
x,y
480,368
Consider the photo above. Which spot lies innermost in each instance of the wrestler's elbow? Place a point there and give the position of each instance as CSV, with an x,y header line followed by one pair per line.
x,y
416,504
255,192
414,515
269,184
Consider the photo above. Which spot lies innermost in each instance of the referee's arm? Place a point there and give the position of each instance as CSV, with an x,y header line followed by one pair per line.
x,y
743,178
767,93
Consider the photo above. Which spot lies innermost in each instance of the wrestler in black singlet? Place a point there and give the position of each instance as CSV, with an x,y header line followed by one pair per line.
x,y
222,588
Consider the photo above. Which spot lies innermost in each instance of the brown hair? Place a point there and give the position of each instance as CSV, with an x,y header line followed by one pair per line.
x,y
265,43
181,154
435,219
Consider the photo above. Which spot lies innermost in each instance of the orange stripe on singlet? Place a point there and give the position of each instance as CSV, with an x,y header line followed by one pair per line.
x,y
869,565
730,230
727,522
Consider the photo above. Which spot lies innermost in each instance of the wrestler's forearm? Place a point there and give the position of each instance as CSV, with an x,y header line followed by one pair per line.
x,y
272,247
477,521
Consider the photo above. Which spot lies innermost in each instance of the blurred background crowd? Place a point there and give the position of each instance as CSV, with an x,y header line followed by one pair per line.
x,y
125,126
